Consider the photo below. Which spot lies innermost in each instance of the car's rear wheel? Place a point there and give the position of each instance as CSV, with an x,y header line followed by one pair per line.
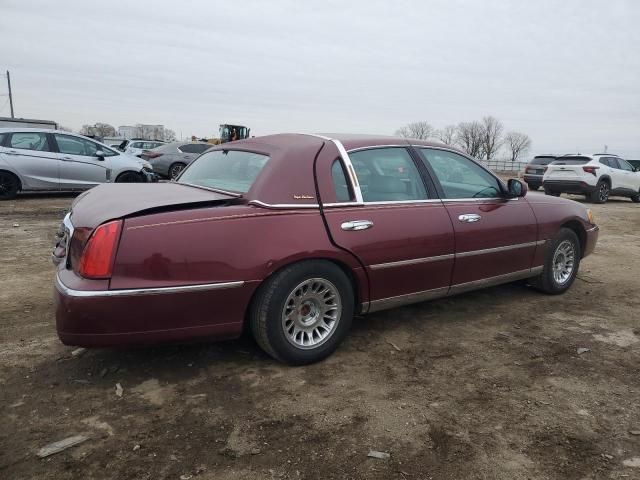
x,y
9,185
561,263
175,169
635,198
551,192
129,177
534,187
302,313
601,193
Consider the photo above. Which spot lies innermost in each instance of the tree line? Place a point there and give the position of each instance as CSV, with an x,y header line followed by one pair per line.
x,y
481,139
104,130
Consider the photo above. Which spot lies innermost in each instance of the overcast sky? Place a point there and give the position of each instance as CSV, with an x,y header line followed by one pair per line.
x,y
567,73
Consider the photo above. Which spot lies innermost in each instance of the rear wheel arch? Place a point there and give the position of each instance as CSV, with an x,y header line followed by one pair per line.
x,y
580,231
605,178
355,284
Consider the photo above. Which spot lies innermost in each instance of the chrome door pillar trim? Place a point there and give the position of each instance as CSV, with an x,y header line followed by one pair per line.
x,y
283,205
350,170
414,261
133,292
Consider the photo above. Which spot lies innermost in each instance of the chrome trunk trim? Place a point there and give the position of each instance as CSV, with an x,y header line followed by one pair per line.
x,y
132,292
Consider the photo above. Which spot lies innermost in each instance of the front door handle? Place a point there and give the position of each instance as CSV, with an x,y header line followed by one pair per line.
x,y
469,218
67,159
357,225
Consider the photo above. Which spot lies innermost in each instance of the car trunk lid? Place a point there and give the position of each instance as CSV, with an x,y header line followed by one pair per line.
x,y
567,168
118,200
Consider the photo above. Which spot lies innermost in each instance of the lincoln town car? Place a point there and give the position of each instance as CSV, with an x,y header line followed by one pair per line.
x,y
289,236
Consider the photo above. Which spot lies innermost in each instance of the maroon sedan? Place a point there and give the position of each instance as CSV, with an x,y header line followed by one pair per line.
x,y
291,235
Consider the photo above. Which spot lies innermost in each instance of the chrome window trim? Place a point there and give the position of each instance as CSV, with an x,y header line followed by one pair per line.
x,y
486,199
388,202
210,189
371,147
133,292
414,261
283,205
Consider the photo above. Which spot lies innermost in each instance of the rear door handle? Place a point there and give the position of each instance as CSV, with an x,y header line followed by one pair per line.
x,y
12,152
357,225
469,218
67,159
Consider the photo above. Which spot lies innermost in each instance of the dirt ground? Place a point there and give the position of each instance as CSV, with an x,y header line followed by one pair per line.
x,y
487,385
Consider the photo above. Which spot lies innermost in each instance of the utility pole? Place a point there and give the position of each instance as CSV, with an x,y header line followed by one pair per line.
x,y
10,96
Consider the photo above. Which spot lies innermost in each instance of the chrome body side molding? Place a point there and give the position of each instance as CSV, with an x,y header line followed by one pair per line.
x,y
414,261
132,292
400,300
499,249
491,281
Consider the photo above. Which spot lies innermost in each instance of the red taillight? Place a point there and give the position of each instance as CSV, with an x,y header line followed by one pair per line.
x,y
591,170
100,251
149,155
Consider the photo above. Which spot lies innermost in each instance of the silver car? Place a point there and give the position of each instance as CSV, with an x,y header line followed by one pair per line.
x,y
39,159
170,159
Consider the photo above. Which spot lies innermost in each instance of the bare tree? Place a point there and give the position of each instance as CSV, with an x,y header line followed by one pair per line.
x,y
98,130
469,137
420,130
492,129
169,135
517,143
447,135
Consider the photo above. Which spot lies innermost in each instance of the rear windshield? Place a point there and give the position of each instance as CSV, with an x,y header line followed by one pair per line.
x,y
231,170
542,160
572,161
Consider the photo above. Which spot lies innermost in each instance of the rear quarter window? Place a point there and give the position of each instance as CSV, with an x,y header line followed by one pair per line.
x,y
542,160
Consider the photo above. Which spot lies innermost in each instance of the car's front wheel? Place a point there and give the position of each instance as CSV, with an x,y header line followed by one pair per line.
x,y
561,263
129,177
635,198
175,169
303,312
9,186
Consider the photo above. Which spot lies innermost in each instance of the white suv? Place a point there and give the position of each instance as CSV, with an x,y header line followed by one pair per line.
x,y
596,176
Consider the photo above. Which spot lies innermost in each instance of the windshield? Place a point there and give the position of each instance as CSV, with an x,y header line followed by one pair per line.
x,y
232,170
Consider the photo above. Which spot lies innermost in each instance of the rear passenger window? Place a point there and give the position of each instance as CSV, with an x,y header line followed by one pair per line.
x,y
387,175
30,141
340,184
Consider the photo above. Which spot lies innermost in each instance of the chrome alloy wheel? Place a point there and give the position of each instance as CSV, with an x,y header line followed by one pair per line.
x,y
563,262
311,313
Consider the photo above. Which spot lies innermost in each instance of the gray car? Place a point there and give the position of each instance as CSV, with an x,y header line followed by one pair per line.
x,y
170,159
34,159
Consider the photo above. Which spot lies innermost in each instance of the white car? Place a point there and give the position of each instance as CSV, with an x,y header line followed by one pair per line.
x,y
138,146
40,159
597,176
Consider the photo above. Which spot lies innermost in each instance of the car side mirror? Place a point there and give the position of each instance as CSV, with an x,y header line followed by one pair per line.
x,y
99,154
516,188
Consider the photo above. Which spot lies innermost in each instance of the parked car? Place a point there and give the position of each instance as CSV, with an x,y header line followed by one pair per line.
x,y
139,146
170,159
596,176
291,235
535,169
40,159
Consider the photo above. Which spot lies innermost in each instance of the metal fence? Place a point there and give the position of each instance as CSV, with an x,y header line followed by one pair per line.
x,y
504,165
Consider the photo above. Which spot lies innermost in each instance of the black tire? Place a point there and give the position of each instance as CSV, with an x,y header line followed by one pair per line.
x,y
129,177
175,169
533,187
551,193
9,185
268,307
601,193
635,198
546,281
